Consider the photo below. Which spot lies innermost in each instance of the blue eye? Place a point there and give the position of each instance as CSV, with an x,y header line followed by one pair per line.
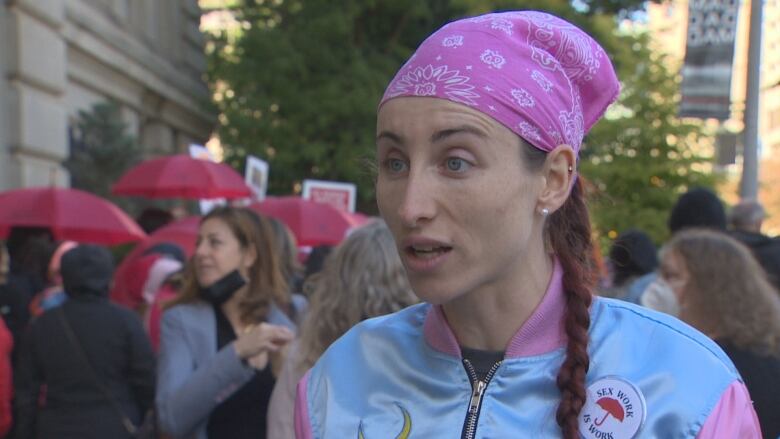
x,y
395,165
456,164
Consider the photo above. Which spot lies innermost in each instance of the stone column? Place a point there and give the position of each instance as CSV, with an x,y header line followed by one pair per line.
x,y
36,140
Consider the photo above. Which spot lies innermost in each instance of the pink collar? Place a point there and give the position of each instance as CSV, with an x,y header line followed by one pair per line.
x,y
541,333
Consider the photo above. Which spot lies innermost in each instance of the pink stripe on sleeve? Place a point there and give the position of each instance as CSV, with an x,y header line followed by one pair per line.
x,y
302,422
733,416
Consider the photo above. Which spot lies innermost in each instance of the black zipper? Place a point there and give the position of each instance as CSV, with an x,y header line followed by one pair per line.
x,y
475,403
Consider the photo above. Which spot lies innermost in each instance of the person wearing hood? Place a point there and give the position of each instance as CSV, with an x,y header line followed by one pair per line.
x,y
92,356
746,219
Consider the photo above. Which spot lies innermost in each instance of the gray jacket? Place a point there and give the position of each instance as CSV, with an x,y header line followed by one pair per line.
x,y
192,376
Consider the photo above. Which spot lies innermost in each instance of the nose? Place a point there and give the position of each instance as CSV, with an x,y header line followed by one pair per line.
x,y
200,249
418,205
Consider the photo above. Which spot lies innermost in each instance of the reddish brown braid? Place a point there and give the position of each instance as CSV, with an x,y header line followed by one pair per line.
x,y
569,234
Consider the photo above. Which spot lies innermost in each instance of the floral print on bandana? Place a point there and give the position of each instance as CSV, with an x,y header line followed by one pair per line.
x,y
492,58
453,41
522,97
543,77
501,24
528,131
542,80
423,81
560,45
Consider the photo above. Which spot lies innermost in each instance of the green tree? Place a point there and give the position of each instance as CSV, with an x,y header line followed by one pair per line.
x,y
299,83
641,157
300,86
100,151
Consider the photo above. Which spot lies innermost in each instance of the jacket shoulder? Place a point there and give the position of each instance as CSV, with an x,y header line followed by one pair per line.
x,y
392,330
656,332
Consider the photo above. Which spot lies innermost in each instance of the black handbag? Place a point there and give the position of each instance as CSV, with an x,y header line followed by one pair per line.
x,y
147,429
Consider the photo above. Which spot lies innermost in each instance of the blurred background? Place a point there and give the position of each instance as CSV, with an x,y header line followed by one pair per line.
x,y
93,87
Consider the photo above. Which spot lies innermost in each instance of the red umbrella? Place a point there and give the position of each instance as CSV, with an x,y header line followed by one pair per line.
x,y
70,214
183,232
612,407
182,176
312,223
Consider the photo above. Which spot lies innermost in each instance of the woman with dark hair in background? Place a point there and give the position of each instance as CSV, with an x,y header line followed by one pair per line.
x,y
477,139
724,293
219,336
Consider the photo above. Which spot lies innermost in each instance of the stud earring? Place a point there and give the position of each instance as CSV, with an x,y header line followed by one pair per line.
x,y
545,212
571,169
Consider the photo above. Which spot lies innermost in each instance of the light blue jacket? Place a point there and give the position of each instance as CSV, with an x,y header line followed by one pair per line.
x,y
402,376
192,376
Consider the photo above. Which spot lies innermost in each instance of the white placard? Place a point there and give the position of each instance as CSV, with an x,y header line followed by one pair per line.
x,y
256,176
202,153
338,194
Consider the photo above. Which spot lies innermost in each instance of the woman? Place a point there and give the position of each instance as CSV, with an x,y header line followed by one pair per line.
x,y
218,337
724,293
363,278
86,369
477,142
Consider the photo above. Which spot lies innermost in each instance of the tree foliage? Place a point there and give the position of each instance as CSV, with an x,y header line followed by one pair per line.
x,y
299,83
101,150
641,157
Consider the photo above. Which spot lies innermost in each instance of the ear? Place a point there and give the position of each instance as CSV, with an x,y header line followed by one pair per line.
x,y
558,173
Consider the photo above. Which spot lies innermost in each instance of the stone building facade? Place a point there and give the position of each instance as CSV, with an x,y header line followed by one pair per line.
x,y
61,56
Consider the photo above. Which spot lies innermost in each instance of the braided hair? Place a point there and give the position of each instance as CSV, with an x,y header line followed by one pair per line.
x,y
569,235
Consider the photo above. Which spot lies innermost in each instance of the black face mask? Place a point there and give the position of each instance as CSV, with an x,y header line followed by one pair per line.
x,y
220,291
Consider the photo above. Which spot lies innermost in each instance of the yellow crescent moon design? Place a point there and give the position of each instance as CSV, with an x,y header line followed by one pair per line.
x,y
405,431
404,434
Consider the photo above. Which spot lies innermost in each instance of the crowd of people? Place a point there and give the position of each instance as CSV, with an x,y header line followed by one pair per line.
x,y
473,308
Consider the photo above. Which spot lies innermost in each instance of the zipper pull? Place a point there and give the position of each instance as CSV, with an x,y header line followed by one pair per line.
x,y
476,396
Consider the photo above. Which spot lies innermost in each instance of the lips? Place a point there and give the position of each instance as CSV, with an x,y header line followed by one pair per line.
x,y
423,254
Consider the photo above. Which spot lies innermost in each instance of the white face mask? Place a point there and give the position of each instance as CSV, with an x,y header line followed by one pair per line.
x,y
660,297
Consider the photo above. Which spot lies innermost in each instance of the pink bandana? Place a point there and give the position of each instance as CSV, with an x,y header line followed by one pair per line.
x,y
540,76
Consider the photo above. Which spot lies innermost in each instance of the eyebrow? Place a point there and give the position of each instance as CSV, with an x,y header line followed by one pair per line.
x,y
437,136
390,136
468,129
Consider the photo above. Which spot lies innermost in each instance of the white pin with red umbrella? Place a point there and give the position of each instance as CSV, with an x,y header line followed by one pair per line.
x,y
615,408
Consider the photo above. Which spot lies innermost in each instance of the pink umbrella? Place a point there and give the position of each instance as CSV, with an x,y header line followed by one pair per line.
x,y
71,214
312,223
182,176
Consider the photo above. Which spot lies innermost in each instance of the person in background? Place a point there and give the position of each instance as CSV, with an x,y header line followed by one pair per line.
x,y
361,279
29,252
152,218
697,208
128,288
92,356
314,262
6,379
724,293
287,249
477,144
159,289
53,295
746,219
221,332
631,258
